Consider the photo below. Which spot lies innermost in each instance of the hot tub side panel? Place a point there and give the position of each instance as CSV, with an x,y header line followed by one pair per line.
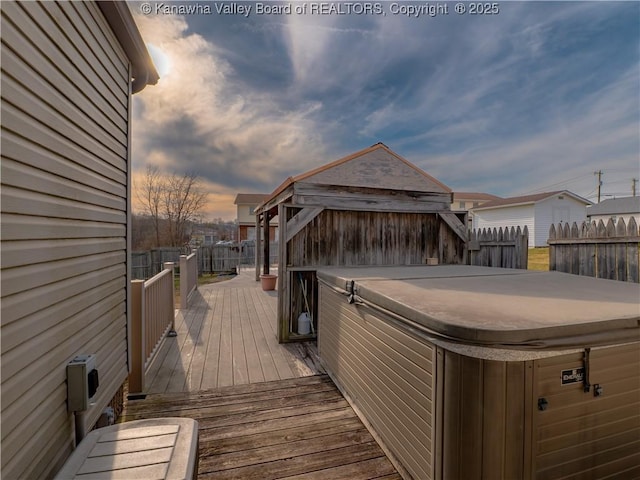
x,y
585,434
484,411
388,374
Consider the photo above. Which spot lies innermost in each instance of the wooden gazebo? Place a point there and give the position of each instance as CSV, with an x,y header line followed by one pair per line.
x,y
370,208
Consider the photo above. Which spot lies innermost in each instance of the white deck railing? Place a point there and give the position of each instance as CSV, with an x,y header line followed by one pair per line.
x,y
188,277
152,318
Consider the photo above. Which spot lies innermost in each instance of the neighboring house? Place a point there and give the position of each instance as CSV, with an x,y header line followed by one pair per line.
x,y
465,201
247,202
616,208
537,212
68,72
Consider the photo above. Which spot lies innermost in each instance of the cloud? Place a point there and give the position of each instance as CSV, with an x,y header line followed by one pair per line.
x,y
542,92
200,117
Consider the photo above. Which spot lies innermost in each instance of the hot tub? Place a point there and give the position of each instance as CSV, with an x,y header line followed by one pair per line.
x,y
477,372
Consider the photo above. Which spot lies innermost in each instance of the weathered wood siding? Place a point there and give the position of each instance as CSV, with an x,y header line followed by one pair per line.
x,y
580,435
387,372
596,250
374,238
506,248
65,99
348,238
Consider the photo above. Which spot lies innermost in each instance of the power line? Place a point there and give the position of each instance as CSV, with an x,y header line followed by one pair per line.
x,y
564,182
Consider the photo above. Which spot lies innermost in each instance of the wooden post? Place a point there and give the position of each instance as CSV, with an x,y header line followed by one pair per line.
x,y
591,250
136,374
601,252
284,307
610,251
258,251
583,251
172,331
265,225
184,282
620,251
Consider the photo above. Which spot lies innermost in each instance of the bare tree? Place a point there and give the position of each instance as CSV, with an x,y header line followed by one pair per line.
x,y
183,201
172,201
150,195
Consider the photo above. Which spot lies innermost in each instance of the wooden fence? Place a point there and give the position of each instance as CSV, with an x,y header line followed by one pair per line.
x,y
152,318
506,248
228,258
596,250
211,259
151,262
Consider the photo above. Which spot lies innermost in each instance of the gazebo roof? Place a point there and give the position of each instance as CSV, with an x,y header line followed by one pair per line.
x,y
376,167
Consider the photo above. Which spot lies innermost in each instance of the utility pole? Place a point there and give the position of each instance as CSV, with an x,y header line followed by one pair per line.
x,y
599,174
634,181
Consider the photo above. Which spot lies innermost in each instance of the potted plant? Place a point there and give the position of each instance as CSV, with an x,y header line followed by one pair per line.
x,y
268,281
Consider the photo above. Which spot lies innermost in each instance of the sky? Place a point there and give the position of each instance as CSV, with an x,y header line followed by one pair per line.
x,y
528,97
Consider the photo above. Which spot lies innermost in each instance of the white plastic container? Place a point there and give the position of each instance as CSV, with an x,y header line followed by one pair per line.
x,y
304,324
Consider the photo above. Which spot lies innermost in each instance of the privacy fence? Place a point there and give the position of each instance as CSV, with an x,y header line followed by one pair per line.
x,y
210,259
596,249
504,248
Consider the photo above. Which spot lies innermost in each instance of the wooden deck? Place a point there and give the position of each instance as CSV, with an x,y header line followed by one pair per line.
x,y
228,337
300,428
265,410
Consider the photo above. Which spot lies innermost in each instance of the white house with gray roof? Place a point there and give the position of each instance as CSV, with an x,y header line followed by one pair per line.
x,y
537,212
616,208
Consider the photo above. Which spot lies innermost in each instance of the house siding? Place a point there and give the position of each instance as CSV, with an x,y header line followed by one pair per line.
x,y
516,216
556,210
65,125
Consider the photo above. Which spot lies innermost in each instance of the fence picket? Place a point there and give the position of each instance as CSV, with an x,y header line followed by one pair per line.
x,y
633,273
596,249
504,248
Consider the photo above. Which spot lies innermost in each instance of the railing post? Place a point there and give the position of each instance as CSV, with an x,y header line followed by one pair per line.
x,y
136,375
184,282
172,331
195,268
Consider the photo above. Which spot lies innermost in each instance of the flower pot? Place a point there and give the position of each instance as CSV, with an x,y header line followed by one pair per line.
x,y
268,282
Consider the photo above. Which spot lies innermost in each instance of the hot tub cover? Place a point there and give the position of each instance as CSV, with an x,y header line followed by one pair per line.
x,y
498,307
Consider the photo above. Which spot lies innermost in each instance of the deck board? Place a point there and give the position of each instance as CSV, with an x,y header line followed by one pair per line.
x,y
298,428
227,337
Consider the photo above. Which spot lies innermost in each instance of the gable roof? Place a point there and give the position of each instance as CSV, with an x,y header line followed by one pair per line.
x,y
474,196
529,200
615,206
250,198
126,31
373,168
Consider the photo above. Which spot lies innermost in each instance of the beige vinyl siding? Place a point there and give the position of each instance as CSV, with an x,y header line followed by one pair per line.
x,y
65,100
582,436
388,375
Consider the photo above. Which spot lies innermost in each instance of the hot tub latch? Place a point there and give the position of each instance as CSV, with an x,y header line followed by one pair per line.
x,y
542,404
